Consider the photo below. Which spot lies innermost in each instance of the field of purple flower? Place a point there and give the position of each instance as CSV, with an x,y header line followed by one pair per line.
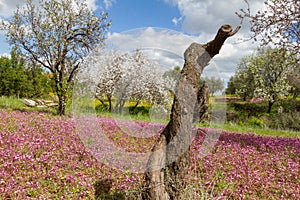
x,y
42,157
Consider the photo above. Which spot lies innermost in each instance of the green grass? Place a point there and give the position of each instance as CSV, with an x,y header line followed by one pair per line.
x,y
136,117
260,131
13,103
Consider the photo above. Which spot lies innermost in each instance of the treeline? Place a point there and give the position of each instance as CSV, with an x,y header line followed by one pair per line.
x,y
18,79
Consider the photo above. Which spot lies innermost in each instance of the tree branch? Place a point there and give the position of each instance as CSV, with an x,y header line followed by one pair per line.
x,y
213,47
232,33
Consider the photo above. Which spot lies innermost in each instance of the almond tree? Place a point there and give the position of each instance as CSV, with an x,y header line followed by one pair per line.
x,y
278,25
120,77
57,34
266,74
109,70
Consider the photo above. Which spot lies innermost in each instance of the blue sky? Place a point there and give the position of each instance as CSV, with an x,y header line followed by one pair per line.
x,y
132,14
197,19
125,14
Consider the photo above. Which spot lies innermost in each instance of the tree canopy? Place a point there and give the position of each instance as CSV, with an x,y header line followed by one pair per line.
x,y
19,80
278,24
57,34
265,75
214,84
121,77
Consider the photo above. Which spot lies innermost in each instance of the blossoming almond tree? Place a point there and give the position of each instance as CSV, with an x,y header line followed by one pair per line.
x,y
57,34
120,77
278,25
266,74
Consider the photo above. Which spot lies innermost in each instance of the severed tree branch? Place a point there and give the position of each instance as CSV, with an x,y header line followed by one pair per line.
x,y
213,47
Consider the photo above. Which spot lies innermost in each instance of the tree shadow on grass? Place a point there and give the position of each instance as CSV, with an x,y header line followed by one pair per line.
x,y
102,191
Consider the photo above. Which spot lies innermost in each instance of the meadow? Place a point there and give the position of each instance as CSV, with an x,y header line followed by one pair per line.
x,y
42,157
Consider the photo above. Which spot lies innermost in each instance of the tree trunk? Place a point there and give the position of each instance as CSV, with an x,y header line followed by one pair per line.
x,y
61,94
169,161
61,105
109,103
202,103
270,105
61,88
136,104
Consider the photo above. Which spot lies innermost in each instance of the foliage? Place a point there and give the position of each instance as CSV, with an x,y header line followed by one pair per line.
x,y
285,121
294,80
173,73
214,84
284,115
249,109
19,80
232,85
266,75
125,77
43,158
288,118
57,35
278,24
242,80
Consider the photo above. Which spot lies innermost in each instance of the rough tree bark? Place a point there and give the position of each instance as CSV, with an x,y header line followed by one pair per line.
x,y
170,157
202,103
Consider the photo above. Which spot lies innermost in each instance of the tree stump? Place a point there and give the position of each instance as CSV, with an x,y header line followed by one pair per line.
x,y
169,161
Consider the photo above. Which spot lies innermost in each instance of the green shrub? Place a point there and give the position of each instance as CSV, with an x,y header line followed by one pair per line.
x,y
232,116
250,109
21,81
285,121
290,105
139,110
255,122
101,108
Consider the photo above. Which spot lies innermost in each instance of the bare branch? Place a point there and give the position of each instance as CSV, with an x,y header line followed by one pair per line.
x,y
232,33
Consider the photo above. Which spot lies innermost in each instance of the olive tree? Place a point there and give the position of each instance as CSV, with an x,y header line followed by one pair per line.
x,y
57,34
214,84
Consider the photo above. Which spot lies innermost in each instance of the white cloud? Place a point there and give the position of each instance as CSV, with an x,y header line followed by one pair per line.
x,y
5,55
167,47
150,38
109,3
92,4
206,16
7,7
176,20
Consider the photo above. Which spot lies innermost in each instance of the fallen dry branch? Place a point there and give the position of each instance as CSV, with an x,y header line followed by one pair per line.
x,y
39,103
